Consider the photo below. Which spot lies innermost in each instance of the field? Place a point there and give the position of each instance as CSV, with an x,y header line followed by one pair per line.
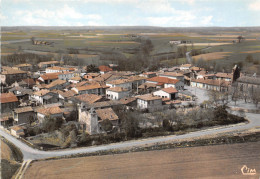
x,y
9,160
110,44
212,56
221,161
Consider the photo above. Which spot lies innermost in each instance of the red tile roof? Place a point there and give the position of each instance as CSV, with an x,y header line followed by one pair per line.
x,y
89,98
50,76
104,68
117,89
49,111
170,90
163,80
107,113
148,97
8,98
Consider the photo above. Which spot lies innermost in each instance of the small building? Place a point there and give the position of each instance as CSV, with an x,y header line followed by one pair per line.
x,y
148,101
96,88
56,69
8,102
129,101
48,77
224,76
117,93
24,67
18,131
104,69
44,96
124,83
148,74
57,85
170,93
209,84
23,115
173,75
185,66
52,112
27,83
66,75
166,82
48,64
10,75
88,98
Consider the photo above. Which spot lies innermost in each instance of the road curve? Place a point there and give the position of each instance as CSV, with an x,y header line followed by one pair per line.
x,y
32,154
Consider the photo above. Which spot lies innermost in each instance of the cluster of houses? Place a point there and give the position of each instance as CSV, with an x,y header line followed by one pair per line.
x,y
56,91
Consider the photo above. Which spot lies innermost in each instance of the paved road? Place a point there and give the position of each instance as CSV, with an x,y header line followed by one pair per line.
x,y
31,154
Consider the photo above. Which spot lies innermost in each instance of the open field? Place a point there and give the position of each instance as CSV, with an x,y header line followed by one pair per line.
x,y
205,44
212,56
9,157
252,51
221,161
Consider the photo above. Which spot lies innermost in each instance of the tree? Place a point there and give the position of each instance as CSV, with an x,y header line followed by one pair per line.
x,y
51,124
130,125
107,125
240,38
32,40
218,98
255,95
249,58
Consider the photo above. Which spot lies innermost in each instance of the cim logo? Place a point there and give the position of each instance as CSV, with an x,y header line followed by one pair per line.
x,y
248,171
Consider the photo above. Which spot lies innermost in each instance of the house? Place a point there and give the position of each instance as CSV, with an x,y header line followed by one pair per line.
x,y
224,76
136,81
173,75
129,101
29,83
148,74
209,84
44,96
57,85
21,93
75,79
52,112
109,114
18,131
147,87
66,75
91,76
91,120
23,115
124,83
94,88
166,82
247,83
48,64
10,75
48,77
88,98
117,93
56,69
185,66
24,67
148,101
8,102
170,93
65,95
104,69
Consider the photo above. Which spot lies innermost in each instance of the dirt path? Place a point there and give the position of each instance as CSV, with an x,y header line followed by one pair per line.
x,y
222,161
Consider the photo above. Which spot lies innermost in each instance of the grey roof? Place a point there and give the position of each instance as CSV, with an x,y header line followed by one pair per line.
x,y
22,90
249,80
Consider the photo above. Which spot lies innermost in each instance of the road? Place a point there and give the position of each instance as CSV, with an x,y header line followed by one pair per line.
x,y
188,57
32,154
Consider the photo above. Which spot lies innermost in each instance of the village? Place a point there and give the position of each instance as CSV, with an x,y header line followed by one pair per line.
x,y
80,101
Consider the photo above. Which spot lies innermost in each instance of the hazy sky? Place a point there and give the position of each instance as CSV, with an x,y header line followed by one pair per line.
x,y
167,13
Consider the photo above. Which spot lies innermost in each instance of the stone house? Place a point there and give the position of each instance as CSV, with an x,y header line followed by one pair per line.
x,y
18,131
209,84
117,93
23,115
166,82
24,67
44,96
48,77
8,102
96,88
52,112
48,64
124,83
10,75
173,75
149,101
170,93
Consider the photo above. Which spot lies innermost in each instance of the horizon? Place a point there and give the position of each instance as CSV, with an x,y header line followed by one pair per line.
x,y
131,13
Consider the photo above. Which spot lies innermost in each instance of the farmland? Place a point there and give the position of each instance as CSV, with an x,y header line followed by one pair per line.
x,y
221,161
104,45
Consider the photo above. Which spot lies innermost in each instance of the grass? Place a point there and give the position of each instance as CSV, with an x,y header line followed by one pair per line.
x,y
212,56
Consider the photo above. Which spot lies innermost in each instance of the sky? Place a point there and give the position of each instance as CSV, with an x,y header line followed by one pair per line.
x,y
164,13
